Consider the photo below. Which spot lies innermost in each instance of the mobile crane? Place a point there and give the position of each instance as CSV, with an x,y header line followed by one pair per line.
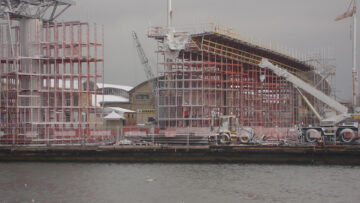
x,y
342,126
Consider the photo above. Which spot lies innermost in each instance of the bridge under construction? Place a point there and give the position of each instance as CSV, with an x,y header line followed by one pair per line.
x,y
49,71
215,72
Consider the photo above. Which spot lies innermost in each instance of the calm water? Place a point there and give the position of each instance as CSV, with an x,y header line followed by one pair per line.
x,y
87,182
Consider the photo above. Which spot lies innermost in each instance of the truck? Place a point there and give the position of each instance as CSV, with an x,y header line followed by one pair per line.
x,y
341,126
230,131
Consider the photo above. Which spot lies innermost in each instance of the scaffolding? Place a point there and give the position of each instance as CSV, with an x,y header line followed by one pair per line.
x,y
217,73
48,76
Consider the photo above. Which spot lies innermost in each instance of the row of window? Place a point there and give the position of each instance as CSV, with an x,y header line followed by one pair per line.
x,y
118,92
142,97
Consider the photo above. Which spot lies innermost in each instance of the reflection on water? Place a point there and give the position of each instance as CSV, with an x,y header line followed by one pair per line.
x,y
88,182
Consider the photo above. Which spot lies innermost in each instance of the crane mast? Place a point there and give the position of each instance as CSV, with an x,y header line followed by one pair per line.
x,y
354,69
352,12
144,61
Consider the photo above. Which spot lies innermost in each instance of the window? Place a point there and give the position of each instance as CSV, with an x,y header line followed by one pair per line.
x,y
67,100
67,116
142,96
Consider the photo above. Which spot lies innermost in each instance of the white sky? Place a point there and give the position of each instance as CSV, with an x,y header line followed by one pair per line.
x,y
303,25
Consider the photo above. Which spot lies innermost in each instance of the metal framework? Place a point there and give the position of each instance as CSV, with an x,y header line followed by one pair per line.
x,y
47,10
48,72
217,73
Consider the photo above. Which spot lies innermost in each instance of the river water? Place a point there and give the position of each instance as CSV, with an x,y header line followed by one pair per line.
x,y
112,182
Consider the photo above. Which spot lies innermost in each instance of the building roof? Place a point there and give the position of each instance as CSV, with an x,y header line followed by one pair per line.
x,y
114,116
145,82
121,110
122,87
240,44
108,99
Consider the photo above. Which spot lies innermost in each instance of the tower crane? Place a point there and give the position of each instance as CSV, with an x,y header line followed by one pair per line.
x,y
145,62
352,12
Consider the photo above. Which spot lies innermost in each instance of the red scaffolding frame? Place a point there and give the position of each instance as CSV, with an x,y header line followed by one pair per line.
x,y
218,74
48,76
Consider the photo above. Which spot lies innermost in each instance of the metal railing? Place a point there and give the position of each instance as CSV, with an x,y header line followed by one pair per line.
x,y
159,31
142,136
134,135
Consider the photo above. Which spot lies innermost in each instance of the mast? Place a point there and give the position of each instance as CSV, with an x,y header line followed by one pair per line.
x,y
170,14
354,69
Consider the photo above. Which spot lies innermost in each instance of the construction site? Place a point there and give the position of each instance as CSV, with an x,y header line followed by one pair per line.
x,y
212,86
216,72
48,70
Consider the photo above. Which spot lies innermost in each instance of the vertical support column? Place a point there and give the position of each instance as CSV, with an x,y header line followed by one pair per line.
x,y
94,91
88,87
354,69
102,67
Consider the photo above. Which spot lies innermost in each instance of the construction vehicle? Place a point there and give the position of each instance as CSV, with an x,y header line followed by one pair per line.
x,y
342,126
230,131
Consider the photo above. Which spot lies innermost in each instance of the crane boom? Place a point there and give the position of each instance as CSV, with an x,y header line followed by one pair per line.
x,y
332,103
144,61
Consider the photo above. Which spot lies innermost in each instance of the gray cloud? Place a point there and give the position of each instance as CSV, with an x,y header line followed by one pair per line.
x,y
303,25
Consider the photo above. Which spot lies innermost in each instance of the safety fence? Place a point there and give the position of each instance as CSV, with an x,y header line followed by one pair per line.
x,y
134,135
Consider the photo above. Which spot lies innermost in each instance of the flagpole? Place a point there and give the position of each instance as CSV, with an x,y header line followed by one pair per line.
x,y
354,69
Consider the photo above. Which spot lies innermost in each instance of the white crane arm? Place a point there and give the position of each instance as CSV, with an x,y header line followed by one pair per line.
x,y
144,61
332,103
